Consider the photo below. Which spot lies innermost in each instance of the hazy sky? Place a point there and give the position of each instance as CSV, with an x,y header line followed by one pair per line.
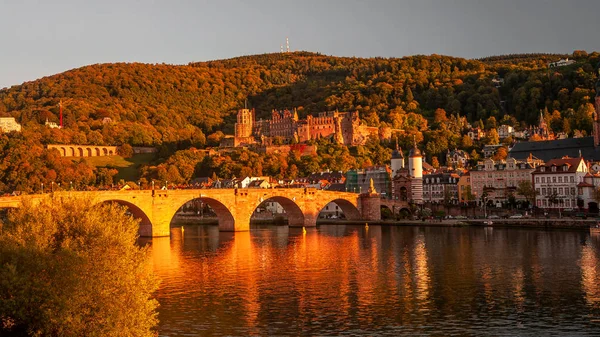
x,y
45,37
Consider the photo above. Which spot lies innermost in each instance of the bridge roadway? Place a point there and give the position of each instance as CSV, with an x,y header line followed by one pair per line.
x,y
234,207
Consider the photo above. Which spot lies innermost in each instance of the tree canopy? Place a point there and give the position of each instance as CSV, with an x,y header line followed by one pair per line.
x,y
72,268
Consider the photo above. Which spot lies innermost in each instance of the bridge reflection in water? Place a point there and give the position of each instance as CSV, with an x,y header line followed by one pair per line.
x,y
377,280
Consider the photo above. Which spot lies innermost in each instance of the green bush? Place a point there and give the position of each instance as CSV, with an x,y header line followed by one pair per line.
x,y
71,267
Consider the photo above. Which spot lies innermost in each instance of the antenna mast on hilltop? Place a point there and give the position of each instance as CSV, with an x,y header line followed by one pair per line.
x,y
60,109
287,44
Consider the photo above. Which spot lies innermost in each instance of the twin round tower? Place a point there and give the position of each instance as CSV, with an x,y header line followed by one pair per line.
x,y
408,183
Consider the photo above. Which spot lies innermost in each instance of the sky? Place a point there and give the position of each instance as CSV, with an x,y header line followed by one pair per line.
x,y
42,38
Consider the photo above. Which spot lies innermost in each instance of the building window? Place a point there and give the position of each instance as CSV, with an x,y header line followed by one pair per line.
x,y
543,180
560,179
537,179
572,179
560,190
537,190
553,179
543,191
572,190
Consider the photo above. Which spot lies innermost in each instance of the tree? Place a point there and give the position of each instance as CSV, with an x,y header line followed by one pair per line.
x,y
466,142
525,189
435,162
467,194
125,150
501,153
72,268
491,138
491,123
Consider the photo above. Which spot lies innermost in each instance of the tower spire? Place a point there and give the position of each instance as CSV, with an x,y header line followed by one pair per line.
x,y
287,44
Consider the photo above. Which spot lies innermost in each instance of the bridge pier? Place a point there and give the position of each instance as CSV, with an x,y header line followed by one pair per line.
x,y
370,204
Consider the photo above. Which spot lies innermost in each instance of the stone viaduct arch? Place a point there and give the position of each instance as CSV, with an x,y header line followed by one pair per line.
x,y
84,150
234,207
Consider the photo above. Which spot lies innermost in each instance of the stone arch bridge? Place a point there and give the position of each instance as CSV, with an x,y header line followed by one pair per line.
x,y
234,207
84,150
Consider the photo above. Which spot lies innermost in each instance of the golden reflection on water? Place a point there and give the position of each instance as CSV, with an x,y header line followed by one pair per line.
x,y
589,272
280,280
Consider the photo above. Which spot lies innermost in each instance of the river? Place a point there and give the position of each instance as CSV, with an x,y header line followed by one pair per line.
x,y
355,280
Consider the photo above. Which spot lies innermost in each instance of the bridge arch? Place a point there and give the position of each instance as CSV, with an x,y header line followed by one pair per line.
x,y
97,152
71,152
224,215
295,216
349,209
89,151
145,223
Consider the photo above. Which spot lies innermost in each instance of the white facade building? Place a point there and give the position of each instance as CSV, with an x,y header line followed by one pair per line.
x,y
8,124
556,183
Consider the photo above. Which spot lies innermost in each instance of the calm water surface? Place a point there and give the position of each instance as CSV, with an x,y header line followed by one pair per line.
x,y
352,280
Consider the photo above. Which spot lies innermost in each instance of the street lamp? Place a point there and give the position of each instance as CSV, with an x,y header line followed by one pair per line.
x,y
71,183
42,188
152,184
139,185
52,186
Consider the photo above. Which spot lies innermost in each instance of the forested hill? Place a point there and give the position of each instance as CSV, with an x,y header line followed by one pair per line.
x,y
153,104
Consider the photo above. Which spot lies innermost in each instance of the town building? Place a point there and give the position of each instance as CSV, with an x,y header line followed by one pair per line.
x,y
358,181
457,158
542,130
9,124
495,181
465,194
51,125
345,127
490,150
476,134
504,131
557,183
587,191
440,188
561,63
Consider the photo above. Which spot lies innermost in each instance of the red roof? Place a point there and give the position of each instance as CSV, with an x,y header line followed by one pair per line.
x,y
571,163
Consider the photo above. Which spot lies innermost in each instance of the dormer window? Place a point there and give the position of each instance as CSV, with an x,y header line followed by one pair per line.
x,y
542,169
565,168
553,168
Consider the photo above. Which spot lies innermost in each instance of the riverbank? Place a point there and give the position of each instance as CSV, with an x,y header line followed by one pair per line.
x,y
564,223
553,223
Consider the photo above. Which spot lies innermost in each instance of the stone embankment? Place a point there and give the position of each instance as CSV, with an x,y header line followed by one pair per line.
x,y
564,223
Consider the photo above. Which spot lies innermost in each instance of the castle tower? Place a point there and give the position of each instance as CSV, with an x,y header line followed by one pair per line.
x,y
397,160
415,170
243,127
